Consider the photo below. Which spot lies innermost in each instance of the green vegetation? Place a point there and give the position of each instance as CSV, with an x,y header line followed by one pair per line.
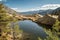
x,y
6,31
53,34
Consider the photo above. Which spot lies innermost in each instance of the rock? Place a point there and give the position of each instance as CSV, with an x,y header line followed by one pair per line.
x,y
47,20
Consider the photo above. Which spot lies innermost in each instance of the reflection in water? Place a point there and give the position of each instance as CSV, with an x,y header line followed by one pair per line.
x,y
32,28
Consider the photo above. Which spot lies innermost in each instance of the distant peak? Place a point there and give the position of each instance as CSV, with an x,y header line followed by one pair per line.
x,y
43,7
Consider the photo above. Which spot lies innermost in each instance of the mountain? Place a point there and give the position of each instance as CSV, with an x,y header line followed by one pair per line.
x,y
56,11
42,12
29,12
48,8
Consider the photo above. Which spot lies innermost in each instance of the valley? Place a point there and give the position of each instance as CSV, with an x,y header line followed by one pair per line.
x,y
16,26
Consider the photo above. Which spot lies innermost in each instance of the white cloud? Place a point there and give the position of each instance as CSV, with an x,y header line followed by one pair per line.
x,y
44,7
23,10
17,9
49,6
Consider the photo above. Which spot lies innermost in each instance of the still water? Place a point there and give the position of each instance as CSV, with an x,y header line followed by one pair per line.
x,y
32,27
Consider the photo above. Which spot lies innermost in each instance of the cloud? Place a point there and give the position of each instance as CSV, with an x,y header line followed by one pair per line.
x,y
49,6
17,9
23,10
44,7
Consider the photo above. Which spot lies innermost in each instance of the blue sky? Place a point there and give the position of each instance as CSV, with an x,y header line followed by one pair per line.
x,y
29,5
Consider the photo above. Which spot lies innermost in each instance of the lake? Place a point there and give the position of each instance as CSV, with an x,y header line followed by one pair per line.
x,y
32,27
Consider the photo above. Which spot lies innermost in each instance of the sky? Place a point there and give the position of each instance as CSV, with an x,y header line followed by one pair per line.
x,y
31,5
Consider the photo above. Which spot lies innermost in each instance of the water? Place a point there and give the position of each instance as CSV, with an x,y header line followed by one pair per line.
x,y
31,27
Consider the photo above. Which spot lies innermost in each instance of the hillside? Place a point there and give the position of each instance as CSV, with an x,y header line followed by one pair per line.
x,y
7,9
7,31
56,11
